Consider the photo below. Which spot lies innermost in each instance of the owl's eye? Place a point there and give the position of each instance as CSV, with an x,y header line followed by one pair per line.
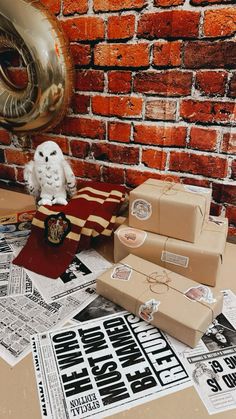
x,y
53,153
41,154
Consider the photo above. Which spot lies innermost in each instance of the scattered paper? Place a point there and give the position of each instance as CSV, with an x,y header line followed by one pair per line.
x,y
82,272
212,364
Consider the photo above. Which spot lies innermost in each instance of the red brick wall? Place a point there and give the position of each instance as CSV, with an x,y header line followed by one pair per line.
x,y
154,95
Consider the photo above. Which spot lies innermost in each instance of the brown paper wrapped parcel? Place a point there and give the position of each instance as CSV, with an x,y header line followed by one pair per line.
x,y
175,304
170,209
200,261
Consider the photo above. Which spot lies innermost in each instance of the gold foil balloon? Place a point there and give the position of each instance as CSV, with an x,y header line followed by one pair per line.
x,y
28,28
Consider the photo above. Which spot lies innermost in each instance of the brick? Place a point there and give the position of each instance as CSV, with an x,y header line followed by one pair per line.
x,y
81,54
7,172
205,54
231,214
167,83
115,153
229,143
120,27
161,136
89,28
53,5
14,156
18,76
168,3
20,174
203,139
231,231
122,55
83,127
2,157
169,24
159,109
121,106
216,209
61,141
154,158
79,149
89,80
221,22
233,169
119,81
208,111
80,103
232,87
206,165
211,82
209,2
116,5
197,182
119,131
86,169
71,7
167,54
225,194
113,174
4,137
136,177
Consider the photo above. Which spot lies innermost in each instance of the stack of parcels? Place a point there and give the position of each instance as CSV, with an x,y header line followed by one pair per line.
x,y
169,224
177,305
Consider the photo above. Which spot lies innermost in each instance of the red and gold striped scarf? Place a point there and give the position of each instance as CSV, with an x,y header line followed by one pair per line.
x,y
90,213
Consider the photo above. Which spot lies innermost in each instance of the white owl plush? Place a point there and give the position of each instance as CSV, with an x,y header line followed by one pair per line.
x,y
49,175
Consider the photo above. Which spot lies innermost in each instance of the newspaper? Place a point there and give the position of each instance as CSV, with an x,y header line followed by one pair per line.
x,y
23,316
102,367
99,307
82,272
13,279
212,364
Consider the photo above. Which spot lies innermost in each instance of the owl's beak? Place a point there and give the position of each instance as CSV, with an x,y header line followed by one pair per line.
x,y
46,159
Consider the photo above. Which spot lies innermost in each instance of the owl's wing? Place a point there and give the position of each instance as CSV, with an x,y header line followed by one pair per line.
x,y
70,178
31,181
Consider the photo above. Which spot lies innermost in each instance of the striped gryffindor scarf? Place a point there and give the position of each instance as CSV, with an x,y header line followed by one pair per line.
x,y
59,231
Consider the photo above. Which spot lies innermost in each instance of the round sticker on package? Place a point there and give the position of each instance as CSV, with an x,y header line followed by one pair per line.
x,y
141,209
147,310
200,293
122,272
132,237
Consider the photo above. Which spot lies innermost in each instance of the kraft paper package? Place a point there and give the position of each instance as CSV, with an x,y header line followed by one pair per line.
x,y
170,209
16,207
175,304
201,261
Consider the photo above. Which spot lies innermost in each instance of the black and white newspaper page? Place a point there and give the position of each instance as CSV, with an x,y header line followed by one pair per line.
x,y
13,279
23,316
212,364
102,367
82,272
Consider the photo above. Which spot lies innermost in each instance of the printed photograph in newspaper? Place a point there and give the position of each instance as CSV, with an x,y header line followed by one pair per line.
x,y
99,307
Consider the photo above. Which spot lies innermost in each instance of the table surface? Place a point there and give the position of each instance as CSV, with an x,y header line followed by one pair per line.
x,y
18,391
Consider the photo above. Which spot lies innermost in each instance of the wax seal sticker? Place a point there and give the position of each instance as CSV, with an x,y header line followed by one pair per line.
x,y
122,272
147,310
141,209
200,293
132,237
57,226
